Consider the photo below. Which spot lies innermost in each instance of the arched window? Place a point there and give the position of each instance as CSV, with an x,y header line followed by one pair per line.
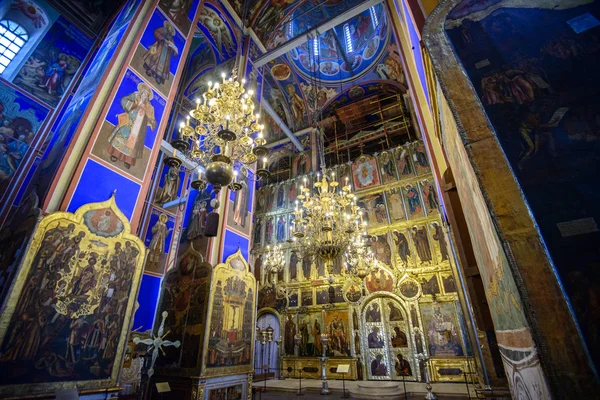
x,y
12,39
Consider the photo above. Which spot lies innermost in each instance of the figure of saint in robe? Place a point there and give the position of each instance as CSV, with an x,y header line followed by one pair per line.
x,y
316,332
414,200
198,218
240,205
290,332
157,244
402,246
168,192
421,244
126,141
441,239
157,59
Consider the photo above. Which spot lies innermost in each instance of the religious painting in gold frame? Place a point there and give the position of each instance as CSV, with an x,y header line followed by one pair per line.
x,y
229,339
69,312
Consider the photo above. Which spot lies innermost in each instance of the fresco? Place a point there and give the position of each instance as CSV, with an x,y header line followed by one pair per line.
x,y
215,25
128,134
48,72
20,120
395,205
158,240
443,332
239,214
365,173
181,12
231,318
375,210
338,329
74,296
184,295
158,54
526,91
310,328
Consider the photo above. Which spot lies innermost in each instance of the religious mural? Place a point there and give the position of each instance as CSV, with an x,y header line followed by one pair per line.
x,y
184,295
181,12
157,54
170,186
20,120
48,72
546,121
231,318
442,330
158,240
239,214
408,250
215,26
127,136
69,311
375,210
365,172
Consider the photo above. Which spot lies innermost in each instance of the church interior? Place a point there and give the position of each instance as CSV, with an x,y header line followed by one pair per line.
x,y
228,199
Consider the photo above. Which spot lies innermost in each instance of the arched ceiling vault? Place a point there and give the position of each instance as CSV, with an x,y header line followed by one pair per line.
x,y
323,57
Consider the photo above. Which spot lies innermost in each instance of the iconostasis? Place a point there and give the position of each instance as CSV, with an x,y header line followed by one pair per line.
x,y
407,305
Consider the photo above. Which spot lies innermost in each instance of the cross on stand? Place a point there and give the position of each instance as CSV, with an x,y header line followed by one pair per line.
x,y
156,343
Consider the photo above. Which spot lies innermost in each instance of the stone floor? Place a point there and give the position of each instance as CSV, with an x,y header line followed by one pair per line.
x,y
288,388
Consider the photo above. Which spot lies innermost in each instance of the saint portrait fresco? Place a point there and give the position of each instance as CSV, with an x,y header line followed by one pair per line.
x,y
412,198
181,12
430,197
158,53
378,366
395,205
439,237
402,366
403,252
338,329
404,162
170,188
443,333
69,310
430,284
129,133
399,338
373,313
184,295
365,173
422,244
240,206
158,239
421,162
375,339
231,317
381,249
387,167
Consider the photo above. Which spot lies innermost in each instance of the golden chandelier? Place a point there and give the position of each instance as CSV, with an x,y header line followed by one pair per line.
x,y
226,132
326,220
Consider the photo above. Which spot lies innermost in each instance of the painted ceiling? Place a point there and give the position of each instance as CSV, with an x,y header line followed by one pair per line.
x,y
345,65
349,64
